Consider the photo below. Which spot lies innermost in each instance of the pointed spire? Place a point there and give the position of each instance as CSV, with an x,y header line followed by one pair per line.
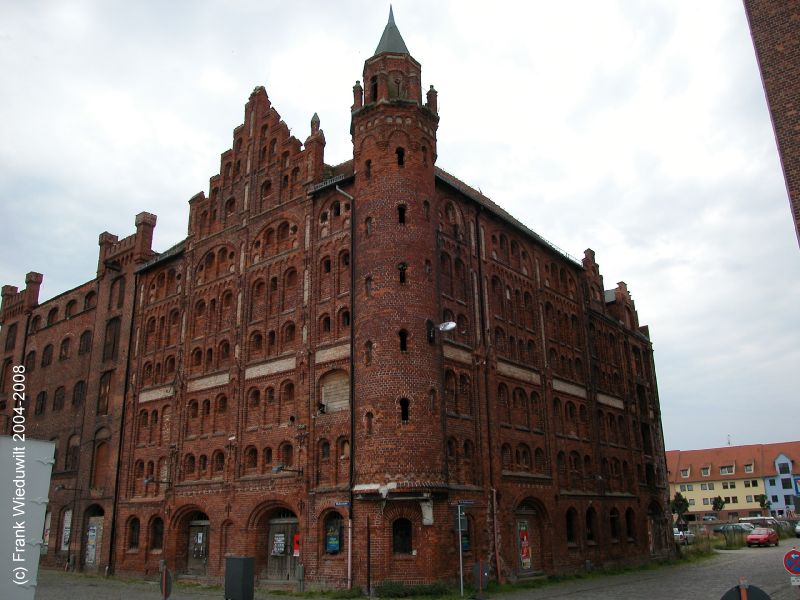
x,y
391,40
314,124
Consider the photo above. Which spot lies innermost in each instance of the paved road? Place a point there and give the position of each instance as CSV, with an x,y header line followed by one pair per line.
x,y
706,580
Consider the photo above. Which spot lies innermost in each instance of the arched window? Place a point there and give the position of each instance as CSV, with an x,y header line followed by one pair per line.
x,y
401,157
404,410
85,343
73,453
572,526
133,534
591,525
11,337
47,355
58,399
333,533
189,465
324,450
401,536
630,524
156,534
79,393
111,340
613,524
103,393
219,461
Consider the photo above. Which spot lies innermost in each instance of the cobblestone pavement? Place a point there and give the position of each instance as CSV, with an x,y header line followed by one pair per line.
x,y
705,580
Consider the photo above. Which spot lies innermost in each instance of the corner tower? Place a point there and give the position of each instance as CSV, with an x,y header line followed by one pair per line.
x,y
398,424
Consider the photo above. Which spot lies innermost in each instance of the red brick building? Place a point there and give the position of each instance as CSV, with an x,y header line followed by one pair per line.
x,y
75,351
775,27
290,395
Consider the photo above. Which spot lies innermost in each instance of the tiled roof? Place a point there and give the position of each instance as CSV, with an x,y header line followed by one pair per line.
x,y
761,456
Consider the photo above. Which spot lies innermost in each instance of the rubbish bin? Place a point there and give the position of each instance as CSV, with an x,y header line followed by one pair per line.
x,y
239,577
480,576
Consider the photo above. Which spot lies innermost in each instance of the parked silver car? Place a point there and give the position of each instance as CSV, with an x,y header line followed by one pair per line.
x,y
683,537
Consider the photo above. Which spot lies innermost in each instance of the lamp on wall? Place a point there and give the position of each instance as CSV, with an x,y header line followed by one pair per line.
x,y
149,479
281,467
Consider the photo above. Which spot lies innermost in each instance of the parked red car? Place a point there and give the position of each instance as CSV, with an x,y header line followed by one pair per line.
x,y
762,536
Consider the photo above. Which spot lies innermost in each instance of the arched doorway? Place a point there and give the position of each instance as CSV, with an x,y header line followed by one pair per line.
x,y
278,544
193,543
93,536
529,518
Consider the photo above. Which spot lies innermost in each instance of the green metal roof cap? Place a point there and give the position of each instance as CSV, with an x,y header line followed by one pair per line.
x,y
391,40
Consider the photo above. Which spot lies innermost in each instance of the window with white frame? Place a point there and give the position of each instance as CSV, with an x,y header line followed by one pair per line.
x,y
705,471
748,468
726,470
684,472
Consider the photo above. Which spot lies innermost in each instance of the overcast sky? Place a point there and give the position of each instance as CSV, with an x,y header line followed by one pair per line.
x,y
638,129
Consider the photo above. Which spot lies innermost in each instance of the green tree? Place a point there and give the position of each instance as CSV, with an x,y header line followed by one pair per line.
x,y
679,506
763,502
718,504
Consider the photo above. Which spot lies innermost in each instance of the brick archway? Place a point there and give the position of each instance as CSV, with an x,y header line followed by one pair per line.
x,y
272,527
532,539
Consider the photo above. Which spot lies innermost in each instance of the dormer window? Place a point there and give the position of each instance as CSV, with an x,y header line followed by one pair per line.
x,y
684,472
748,468
726,470
705,471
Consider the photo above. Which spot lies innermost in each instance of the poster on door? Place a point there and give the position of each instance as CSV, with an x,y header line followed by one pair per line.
x,y
91,544
296,545
279,544
524,544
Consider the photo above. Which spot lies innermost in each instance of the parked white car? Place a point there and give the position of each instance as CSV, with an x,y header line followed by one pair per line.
x,y
797,530
683,537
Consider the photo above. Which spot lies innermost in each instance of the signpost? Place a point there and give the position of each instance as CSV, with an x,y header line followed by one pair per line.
x,y
791,561
461,525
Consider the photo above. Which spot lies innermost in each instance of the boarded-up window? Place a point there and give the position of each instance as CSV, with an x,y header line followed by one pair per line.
x,y
334,389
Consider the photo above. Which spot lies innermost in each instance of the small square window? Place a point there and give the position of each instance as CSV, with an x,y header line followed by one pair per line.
x,y
690,487
748,468
726,470
684,472
691,501
749,498
705,471
706,501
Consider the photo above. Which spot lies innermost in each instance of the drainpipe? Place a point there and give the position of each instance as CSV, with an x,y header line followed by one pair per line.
x,y
352,382
115,503
482,324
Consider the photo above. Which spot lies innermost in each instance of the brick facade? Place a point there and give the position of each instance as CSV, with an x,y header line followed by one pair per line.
x,y
287,388
775,28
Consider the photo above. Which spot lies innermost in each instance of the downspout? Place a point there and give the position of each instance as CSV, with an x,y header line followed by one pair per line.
x,y
483,322
112,536
352,383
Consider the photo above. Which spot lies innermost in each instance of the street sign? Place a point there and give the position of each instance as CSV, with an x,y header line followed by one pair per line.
x,y
791,561
466,502
795,580
341,503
